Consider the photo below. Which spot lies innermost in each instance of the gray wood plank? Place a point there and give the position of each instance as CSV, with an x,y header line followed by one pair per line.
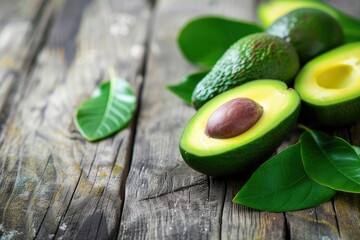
x,y
54,183
347,210
164,197
346,205
339,218
240,222
22,26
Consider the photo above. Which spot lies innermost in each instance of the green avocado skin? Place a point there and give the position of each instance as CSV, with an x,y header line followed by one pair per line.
x,y
256,56
244,159
334,115
310,31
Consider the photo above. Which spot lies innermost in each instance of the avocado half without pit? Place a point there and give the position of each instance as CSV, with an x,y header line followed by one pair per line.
x,y
253,120
329,86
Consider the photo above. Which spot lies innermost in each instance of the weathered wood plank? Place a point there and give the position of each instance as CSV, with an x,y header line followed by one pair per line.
x,y
164,197
22,26
54,183
339,218
240,222
347,210
346,205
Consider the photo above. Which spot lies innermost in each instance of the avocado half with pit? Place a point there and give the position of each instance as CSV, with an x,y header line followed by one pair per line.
x,y
242,153
329,86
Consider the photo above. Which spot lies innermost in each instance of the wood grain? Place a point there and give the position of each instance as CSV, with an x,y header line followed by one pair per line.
x,y
339,218
22,25
54,183
164,197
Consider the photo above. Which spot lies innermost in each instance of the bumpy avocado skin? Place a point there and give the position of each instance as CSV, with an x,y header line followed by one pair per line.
x,y
244,159
256,56
310,31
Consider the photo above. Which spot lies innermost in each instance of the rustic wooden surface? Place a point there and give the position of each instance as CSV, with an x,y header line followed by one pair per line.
x,y
134,185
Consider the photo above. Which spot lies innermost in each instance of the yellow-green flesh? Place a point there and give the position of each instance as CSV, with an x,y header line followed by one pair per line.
x,y
331,78
278,103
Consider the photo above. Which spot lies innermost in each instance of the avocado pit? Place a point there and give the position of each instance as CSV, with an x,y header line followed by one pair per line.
x,y
233,118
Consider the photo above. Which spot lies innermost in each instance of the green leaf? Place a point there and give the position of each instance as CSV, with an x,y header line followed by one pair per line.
x,y
331,161
109,109
280,184
203,40
357,149
186,86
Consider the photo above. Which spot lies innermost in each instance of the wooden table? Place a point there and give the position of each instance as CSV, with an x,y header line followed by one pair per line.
x,y
134,185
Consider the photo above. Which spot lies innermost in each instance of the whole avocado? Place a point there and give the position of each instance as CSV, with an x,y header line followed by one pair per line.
x,y
256,56
310,31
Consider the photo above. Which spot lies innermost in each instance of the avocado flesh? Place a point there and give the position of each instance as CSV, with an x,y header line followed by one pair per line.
x,y
226,157
256,56
269,12
308,30
329,85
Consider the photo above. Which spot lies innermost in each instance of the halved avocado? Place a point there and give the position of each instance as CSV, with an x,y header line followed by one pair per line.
x,y
329,85
270,11
242,153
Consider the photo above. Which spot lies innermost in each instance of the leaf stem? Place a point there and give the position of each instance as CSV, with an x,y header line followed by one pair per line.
x,y
111,72
304,127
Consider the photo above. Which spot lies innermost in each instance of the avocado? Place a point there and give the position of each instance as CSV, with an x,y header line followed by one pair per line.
x,y
309,30
329,86
256,56
228,156
270,11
